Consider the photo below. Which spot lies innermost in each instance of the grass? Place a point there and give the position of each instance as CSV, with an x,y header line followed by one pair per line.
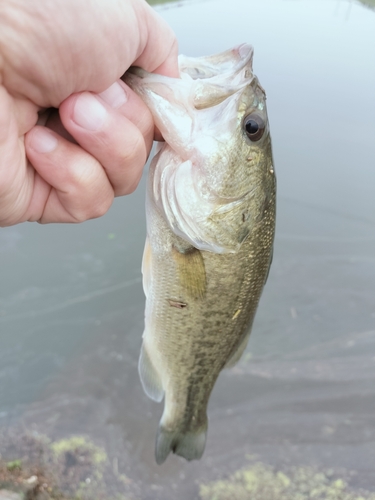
x,y
98,455
14,464
260,482
68,469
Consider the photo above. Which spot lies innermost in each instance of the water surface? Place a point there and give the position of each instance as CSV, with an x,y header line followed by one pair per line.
x,y
71,302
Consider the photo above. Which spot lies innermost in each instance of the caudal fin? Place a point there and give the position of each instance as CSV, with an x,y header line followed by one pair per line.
x,y
189,445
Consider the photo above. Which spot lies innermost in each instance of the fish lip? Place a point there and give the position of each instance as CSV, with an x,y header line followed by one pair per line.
x,y
244,50
229,62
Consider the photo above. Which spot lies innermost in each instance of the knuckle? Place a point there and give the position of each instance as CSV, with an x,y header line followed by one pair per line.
x,y
135,152
129,166
132,186
93,210
85,174
102,207
90,190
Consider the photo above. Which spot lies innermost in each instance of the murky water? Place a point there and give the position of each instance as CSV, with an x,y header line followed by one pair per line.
x,y
71,302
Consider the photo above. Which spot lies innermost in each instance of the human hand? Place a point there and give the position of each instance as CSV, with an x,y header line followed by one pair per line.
x,y
70,55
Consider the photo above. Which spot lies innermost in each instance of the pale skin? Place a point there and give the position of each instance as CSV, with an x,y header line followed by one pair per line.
x,y
67,164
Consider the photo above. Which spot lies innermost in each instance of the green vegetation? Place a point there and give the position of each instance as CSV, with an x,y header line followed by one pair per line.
x,y
68,469
74,443
260,482
14,464
76,468
83,478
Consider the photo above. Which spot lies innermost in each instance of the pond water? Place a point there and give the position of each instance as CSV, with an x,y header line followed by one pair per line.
x,y
71,301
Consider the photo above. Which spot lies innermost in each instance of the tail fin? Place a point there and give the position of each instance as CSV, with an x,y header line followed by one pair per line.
x,y
189,445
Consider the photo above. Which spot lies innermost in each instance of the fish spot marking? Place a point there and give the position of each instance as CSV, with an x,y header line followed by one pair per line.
x,y
177,304
236,314
245,216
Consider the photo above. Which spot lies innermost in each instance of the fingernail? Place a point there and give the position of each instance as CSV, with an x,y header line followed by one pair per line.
x,y
88,113
42,140
114,95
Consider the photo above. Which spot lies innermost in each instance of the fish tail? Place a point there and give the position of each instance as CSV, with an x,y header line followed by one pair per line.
x,y
189,444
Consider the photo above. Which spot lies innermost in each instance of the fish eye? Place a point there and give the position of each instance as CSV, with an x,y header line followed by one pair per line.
x,y
254,127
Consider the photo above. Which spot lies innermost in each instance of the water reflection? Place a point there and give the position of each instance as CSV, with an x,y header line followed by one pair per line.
x,y
71,303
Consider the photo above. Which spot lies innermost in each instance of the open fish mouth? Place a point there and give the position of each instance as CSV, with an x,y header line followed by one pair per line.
x,y
219,75
231,61
216,77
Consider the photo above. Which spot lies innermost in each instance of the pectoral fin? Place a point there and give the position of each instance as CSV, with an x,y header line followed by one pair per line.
x,y
191,271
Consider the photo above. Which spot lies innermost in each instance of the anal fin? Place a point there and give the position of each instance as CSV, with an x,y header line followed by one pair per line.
x,y
151,381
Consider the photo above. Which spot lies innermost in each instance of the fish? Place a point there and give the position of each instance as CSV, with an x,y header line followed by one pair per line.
x,y
211,209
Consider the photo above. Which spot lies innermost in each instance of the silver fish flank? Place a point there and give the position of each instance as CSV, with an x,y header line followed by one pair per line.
x,y
211,201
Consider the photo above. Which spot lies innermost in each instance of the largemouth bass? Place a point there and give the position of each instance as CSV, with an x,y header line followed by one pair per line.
x,y
210,230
